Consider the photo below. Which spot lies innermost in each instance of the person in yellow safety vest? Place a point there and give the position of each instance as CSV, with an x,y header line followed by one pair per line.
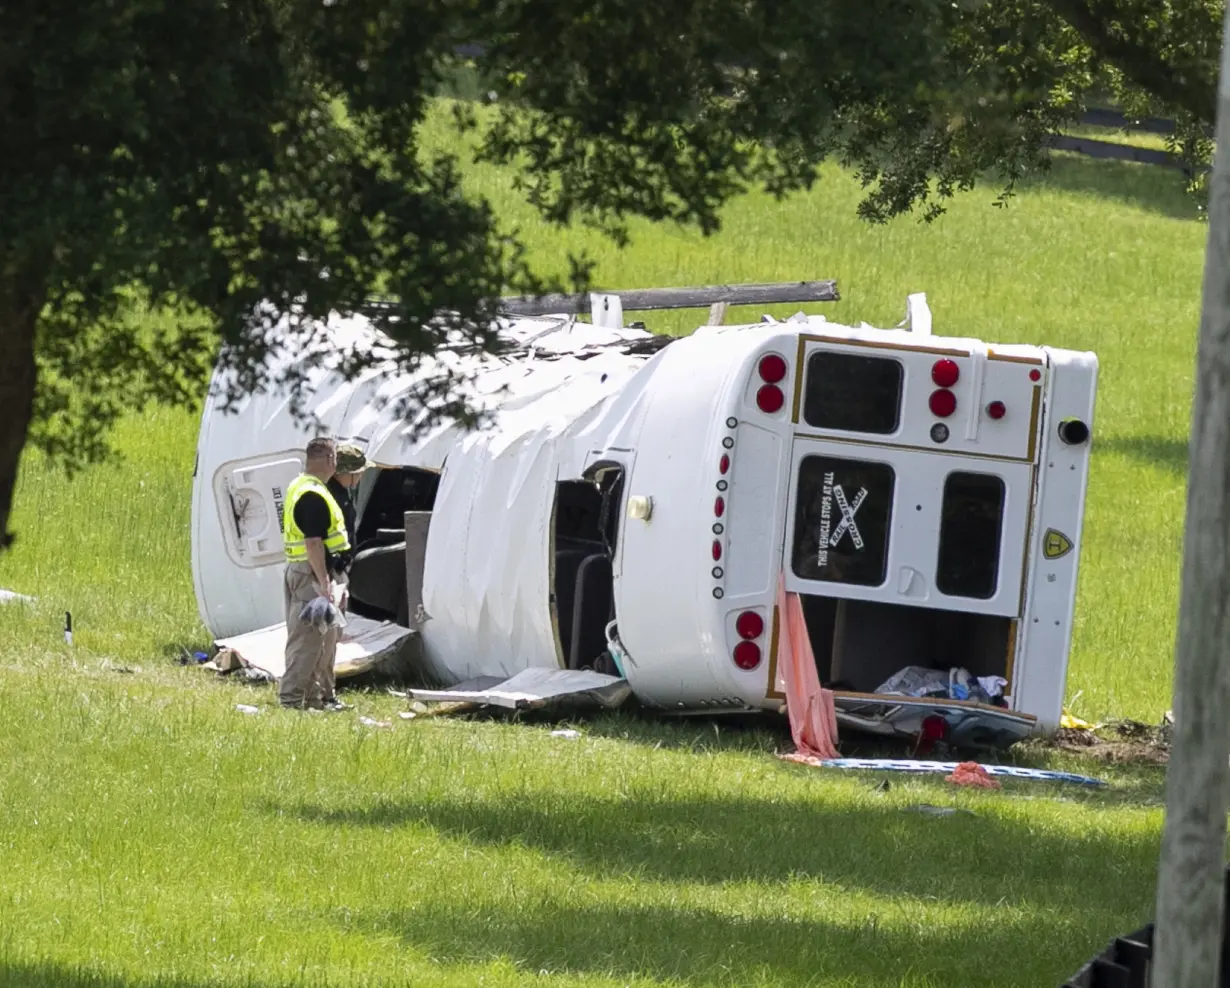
x,y
316,543
350,465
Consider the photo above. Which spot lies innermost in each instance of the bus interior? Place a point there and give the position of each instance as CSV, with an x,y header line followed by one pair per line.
x,y
378,571
860,644
585,526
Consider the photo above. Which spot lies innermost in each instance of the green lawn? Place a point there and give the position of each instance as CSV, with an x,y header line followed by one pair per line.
x,y
150,834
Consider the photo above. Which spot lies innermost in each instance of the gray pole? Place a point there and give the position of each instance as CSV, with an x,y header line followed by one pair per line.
x,y
1187,944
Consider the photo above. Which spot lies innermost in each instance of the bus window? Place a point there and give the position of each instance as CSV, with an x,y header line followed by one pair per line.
x,y
852,392
971,524
842,519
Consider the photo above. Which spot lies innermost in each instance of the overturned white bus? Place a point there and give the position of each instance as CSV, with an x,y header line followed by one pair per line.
x,y
923,494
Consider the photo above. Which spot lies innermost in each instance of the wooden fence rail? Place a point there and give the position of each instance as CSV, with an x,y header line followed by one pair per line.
x,y
1114,151
1116,119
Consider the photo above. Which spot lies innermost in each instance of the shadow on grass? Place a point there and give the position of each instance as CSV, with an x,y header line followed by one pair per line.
x,y
747,732
1146,187
997,855
687,944
48,974
1157,451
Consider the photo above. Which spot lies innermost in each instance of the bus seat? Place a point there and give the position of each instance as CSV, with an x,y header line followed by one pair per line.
x,y
378,578
594,603
568,543
381,537
567,563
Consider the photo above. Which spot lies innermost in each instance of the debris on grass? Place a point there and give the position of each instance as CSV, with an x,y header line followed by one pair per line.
x,y
535,689
369,722
972,774
930,810
446,709
1120,742
1071,722
920,766
566,733
1076,737
247,708
227,660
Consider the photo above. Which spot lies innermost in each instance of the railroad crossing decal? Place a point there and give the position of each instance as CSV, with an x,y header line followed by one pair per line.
x,y
848,511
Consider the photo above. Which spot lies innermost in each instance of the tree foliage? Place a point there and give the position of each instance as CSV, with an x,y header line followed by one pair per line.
x,y
188,160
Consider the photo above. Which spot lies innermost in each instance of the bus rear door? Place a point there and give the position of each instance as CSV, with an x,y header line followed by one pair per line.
x,y
908,524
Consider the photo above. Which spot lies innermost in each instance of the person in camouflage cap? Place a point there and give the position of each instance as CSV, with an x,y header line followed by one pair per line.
x,y
351,462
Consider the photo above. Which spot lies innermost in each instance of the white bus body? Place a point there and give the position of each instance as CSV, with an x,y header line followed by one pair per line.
x,y
666,487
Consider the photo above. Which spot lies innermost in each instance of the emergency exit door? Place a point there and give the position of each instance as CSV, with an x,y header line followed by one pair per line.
x,y
907,526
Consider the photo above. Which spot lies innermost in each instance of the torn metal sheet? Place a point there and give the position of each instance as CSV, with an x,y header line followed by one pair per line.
x,y
537,688
947,768
364,645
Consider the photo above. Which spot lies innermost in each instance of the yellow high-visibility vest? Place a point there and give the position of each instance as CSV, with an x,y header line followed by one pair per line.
x,y
294,540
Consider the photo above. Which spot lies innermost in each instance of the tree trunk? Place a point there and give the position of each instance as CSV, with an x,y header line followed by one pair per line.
x,y
18,374
1191,874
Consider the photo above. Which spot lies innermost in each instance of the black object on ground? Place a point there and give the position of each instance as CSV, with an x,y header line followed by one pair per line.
x,y
1126,961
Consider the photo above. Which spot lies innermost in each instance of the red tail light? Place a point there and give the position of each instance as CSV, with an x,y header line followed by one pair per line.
x,y
719,507
945,373
996,410
934,728
769,399
747,655
749,625
772,368
723,463
1035,375
943,403
717,550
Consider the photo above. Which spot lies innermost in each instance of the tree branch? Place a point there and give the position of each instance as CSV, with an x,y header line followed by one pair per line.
x,y
1139,62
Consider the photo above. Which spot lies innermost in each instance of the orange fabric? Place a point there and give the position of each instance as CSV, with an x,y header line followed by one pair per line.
x,y
813,717
973,774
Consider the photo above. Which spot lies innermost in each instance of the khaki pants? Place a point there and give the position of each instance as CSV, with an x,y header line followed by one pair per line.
x,y
325,679
309,654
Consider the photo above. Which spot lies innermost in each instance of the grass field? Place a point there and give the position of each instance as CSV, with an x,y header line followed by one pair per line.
x,y
152,835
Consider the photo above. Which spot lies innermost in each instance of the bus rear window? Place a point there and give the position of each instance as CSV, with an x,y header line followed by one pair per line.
x,y
971,527
853,393
841,522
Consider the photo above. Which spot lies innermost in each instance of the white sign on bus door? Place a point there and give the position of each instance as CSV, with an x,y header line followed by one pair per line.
x,y
831,537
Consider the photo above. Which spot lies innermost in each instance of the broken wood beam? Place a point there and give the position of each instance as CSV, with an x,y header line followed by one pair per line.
x,y
699,297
